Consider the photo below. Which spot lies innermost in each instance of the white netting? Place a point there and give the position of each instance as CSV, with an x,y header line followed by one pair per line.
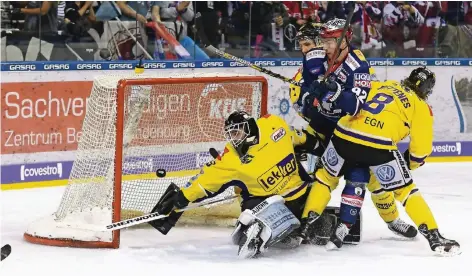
x,y
166,126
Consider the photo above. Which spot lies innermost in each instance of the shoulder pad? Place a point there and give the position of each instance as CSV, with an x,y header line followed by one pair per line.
x,y
359,55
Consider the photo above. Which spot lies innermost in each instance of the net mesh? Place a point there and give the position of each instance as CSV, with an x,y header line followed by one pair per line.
x,y
167,126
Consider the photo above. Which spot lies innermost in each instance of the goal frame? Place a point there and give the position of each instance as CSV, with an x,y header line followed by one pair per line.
x,y
118,156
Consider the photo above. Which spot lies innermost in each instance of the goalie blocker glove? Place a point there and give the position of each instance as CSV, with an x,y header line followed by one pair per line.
x,y
172,199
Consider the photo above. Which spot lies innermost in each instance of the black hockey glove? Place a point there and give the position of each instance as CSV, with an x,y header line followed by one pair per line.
x,y
173,198
308,225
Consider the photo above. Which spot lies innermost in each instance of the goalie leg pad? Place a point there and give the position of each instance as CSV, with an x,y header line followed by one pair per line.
x,y
264,225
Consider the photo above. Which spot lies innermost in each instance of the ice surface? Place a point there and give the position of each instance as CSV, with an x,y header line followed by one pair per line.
x,y
207,251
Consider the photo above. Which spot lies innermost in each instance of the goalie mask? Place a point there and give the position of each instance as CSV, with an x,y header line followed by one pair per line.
x,y
241,131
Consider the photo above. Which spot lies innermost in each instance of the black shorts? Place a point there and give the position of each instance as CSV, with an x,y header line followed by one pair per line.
x,y
357,155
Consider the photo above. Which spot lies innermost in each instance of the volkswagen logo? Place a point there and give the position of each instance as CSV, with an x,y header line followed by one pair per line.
x,y
386,173
331,157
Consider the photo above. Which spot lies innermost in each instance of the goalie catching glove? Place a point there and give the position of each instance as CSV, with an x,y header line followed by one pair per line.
x,y
172,199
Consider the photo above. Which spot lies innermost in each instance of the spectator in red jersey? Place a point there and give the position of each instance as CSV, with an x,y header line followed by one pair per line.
x,y
427,32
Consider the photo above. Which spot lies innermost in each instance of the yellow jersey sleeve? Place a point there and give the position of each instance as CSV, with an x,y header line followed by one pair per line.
x,y
421,134
213,175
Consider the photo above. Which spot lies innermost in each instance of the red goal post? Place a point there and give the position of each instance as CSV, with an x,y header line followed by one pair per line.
x,y
166,122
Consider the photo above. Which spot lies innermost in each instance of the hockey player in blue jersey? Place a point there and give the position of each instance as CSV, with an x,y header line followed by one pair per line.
x,y
324,102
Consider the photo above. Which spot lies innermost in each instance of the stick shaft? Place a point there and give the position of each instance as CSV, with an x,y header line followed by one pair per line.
x,y
252,65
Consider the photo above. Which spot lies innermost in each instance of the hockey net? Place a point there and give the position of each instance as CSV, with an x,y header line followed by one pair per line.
x,y
135,125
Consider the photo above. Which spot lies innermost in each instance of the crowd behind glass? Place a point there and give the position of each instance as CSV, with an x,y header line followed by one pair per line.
x,y
107,30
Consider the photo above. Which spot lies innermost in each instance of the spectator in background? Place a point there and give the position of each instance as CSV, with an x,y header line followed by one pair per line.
x,y
176,16
427,33
135,10
213,16
401,22
78,17
39,15
263,15
365,24
455,39
331,9
299,13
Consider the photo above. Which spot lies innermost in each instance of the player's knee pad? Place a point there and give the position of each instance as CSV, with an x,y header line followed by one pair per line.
x,y
394,174
405,193
274,222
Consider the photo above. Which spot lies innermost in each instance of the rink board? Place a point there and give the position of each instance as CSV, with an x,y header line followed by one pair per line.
x,y
44,103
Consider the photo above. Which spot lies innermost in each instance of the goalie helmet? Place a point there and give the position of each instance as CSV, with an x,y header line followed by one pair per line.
x,y
240,130
422,81
310,31
334,29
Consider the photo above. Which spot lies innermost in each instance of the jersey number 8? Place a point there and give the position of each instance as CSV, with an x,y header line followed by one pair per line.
x,y
378,103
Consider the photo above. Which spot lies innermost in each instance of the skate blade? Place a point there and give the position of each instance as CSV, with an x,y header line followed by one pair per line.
x,y
330,246
453,251
405,237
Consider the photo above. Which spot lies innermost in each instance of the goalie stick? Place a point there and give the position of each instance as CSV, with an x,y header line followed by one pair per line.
x,y
155,216
5,252
148,217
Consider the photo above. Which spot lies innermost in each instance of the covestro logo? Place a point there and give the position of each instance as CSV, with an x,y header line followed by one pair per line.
x,y
448,148
41,171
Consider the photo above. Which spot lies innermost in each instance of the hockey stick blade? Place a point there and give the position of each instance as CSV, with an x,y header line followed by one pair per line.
x,y
142,219
252,65
5,252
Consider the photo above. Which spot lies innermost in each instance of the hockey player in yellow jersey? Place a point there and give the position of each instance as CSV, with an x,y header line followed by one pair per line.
x,y
259,158
392,111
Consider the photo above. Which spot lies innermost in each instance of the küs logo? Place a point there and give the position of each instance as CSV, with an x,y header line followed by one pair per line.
x,y
41,171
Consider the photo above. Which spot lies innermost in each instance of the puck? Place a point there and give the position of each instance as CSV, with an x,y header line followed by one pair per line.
x,y
161,173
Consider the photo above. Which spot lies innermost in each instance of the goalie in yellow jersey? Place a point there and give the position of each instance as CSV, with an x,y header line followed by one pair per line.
x,y
368,140
259,159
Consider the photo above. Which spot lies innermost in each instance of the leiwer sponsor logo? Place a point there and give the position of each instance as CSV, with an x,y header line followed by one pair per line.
x,y
448,148
275,175
41,171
